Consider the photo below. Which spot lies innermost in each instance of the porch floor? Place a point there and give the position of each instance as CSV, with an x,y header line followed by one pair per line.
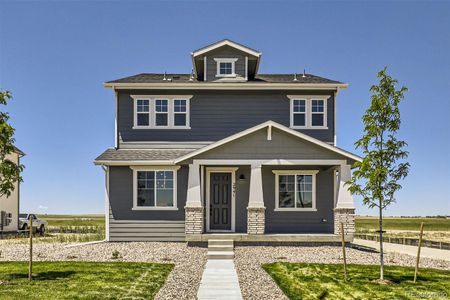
x,y
275,237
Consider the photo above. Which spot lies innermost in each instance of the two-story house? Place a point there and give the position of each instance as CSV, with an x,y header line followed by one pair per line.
x,y
226,151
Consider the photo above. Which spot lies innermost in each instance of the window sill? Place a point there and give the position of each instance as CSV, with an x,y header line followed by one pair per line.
x,y
153,208
308,127
226,75
295,209
162,127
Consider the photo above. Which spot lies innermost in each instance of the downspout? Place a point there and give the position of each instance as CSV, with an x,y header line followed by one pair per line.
x,y
106,169
334,116
116,117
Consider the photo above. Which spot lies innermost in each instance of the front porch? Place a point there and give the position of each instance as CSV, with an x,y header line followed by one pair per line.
x,y
264,222
269,238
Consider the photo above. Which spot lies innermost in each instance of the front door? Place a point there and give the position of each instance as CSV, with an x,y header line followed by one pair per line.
x,y
220,201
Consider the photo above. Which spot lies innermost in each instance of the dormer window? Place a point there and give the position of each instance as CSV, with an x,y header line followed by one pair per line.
x,y
225,67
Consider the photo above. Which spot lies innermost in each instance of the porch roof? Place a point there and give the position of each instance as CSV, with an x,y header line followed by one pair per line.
x,y
114,156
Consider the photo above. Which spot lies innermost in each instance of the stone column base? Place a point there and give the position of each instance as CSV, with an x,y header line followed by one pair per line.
x,y
346,216
256,220
194,220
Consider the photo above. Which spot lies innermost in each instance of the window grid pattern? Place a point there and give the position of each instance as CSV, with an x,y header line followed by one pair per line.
x,y
317,112
143,112
299,111
180,112
155,189
226,68
161,112
295,191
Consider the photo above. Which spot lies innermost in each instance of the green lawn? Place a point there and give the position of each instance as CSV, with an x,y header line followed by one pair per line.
x,y
364,224
74,220
82,280
321,281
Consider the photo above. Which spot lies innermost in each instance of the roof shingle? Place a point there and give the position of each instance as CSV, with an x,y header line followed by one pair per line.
x,y
141,154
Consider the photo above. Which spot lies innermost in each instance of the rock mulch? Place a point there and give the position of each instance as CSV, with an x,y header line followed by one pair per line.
x,y
257,284
182,282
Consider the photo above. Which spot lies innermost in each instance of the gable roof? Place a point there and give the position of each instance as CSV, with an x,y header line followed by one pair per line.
x,y
226,42
274,125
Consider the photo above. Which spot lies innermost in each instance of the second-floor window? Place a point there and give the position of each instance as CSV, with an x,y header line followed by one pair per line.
x,y
308,112
161,112
226,67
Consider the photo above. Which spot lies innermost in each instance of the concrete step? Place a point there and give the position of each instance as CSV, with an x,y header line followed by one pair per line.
x,y
220,255
220,243
220,248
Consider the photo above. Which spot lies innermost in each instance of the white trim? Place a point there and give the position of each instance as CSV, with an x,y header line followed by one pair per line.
x,y
226,60
225,43
271,162
116,135
308,110
245,85
170,111
269,132
295,172
231,170
154,168
107,212
205,63
246,68
261,126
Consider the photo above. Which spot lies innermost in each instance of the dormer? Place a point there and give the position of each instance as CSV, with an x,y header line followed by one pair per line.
x,y
225,61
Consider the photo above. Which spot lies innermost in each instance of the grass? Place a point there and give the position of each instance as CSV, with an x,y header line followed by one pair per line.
x,y
325,281
82,280
73,220
364,224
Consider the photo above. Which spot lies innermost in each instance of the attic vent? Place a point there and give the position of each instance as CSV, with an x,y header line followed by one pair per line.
x,y
304,73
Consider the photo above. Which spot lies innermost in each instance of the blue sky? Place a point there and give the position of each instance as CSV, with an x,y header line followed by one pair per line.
x,y
54,57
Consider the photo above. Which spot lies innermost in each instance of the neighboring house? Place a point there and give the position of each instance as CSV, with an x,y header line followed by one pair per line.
x,y
9,206
226,150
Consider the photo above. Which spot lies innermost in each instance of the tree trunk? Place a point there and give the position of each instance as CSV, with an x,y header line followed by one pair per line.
x,y
381,243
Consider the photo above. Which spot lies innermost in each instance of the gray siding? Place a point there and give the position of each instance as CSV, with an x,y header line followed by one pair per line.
x,y
216,115
298,221
130,225
281,146
224,52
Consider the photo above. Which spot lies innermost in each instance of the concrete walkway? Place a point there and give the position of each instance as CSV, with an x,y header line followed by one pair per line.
x,y
219,281
406,249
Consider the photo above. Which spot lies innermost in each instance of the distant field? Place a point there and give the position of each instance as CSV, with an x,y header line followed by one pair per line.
x,y
364,224
74,220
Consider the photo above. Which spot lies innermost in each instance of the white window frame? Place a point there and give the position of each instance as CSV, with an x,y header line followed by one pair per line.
x,y
308,102
226,60
137,169
294,172
171,112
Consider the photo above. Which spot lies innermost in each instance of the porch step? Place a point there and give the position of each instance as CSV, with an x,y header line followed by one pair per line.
x,y
220,254
213,248
220,249
220,243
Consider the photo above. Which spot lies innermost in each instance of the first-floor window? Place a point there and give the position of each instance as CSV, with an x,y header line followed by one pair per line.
x,y
155,189
295,190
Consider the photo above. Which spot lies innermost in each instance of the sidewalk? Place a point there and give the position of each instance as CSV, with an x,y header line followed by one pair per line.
x,y
219,281
406,249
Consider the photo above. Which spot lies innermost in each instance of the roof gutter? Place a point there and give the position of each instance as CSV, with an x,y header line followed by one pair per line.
x,y
134,162
228,86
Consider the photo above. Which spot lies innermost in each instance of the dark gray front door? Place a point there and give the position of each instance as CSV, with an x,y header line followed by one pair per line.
x,y
220,201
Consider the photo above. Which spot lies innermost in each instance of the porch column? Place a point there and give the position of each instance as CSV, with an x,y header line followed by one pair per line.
x,y
256,209
194,207
344,212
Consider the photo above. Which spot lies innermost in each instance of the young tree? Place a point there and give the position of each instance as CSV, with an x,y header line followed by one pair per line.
x,y
9,170
376,177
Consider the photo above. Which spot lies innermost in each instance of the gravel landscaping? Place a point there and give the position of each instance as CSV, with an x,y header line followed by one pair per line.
x,y
182,282
257,284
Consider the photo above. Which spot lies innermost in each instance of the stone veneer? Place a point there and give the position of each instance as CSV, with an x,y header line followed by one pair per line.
x,y
346,216
256,220
194,220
